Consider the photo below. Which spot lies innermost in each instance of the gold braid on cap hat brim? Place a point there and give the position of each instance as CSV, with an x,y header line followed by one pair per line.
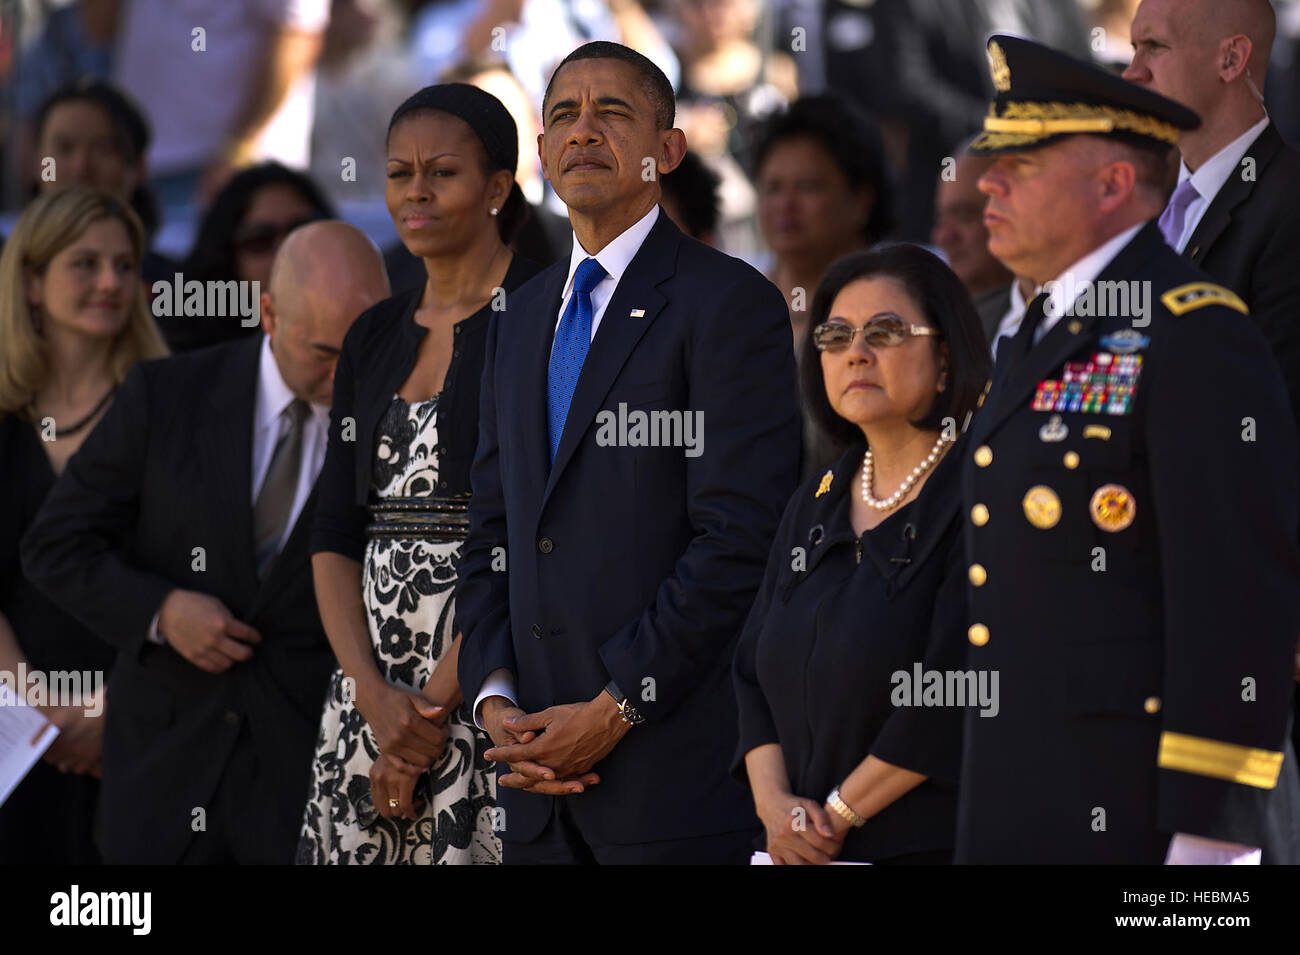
x,y
1023,123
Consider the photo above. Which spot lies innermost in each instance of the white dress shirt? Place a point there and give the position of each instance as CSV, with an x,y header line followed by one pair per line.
x,y
1080,273
269,424
614,258
1010,323
1078,277
1211,177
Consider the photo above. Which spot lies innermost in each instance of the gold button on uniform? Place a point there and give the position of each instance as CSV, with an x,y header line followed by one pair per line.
x,y
977,575
1071,460
979,515
1152,704
983,456
978,634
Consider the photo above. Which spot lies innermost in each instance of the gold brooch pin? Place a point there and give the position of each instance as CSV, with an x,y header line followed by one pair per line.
x,y
825,485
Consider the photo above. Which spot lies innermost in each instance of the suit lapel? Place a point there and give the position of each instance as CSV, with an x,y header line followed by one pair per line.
x,y
1234,192
229,468
1065,337
619,331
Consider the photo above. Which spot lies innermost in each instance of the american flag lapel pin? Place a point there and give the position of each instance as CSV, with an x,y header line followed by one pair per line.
x,y
637,313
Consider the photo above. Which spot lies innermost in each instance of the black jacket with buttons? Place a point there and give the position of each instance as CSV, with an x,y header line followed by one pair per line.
x,y
378,355
837,616
1140,591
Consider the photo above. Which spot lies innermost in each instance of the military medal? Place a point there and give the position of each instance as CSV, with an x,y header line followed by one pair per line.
x,y
1042,507
1112,507
1125,342
1103,385
1055,430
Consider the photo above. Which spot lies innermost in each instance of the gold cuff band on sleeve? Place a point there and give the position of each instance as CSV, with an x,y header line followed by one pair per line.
x,y
1210,757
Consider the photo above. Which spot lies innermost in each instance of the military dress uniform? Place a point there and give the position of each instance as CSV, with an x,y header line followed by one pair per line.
x,y
1131,496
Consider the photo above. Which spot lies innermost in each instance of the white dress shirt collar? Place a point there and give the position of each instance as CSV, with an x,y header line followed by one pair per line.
x,y
1211,177
616,256
1216,170
1070,284
273,395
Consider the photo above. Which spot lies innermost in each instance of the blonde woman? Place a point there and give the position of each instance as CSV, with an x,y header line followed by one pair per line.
x,y
73,319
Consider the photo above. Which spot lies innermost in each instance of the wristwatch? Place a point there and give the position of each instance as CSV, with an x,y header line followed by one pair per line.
x,y
626,711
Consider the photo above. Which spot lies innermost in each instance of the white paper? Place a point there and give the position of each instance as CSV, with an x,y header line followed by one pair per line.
x,y
18,724
762,858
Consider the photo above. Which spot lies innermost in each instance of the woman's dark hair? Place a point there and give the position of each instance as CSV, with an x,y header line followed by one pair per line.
x,y
694,187
131,134
946,305
212,258
851,139
495,129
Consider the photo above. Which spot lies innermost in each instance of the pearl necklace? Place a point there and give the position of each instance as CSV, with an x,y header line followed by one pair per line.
x,y
891,502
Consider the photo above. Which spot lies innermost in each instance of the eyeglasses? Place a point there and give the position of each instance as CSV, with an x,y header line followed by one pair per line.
x,y
884,331
259,238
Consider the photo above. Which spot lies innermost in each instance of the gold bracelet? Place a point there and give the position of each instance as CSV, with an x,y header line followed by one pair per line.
x,y
844,810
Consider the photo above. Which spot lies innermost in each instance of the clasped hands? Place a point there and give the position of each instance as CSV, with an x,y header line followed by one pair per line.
x,y
552,752
800,831
411,732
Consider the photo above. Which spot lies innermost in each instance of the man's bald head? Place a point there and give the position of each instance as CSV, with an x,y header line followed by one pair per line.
x,y
1212,21
325,274
327,261
1209,55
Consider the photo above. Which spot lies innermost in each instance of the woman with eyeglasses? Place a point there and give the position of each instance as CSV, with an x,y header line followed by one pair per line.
x,y
850,752
237,240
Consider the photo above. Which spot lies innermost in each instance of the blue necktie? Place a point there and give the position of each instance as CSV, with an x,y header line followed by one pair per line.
x,y
572,341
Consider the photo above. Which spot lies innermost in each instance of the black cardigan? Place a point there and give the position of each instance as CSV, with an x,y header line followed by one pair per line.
x,y
378,354
831,623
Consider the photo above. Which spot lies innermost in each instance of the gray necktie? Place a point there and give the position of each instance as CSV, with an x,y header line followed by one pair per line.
x,y
275,499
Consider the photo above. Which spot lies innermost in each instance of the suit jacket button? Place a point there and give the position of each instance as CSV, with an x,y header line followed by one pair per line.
x,y
537,630
1152,704
231,718
545,545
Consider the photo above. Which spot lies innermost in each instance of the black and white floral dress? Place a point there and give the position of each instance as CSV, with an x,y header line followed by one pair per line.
x,y
407,589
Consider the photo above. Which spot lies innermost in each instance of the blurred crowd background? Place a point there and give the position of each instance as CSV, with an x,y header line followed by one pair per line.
x,y
816,126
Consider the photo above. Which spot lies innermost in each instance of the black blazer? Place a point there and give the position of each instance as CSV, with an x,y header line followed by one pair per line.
x,y
166,471
378,354
633,563
1249,240
1122,634
836,617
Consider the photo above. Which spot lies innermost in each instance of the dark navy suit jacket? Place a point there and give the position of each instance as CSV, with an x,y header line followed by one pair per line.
x,y
635,563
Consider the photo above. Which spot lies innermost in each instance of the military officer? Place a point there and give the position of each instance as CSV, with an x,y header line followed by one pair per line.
x,y
1131,486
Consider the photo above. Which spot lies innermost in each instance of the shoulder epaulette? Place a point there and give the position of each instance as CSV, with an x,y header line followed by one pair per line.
x,y
1188,298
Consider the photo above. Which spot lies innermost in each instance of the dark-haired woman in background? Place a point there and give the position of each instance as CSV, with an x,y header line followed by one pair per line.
x,y
90,133
823,192
72,322
399,774
865,578
237,240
